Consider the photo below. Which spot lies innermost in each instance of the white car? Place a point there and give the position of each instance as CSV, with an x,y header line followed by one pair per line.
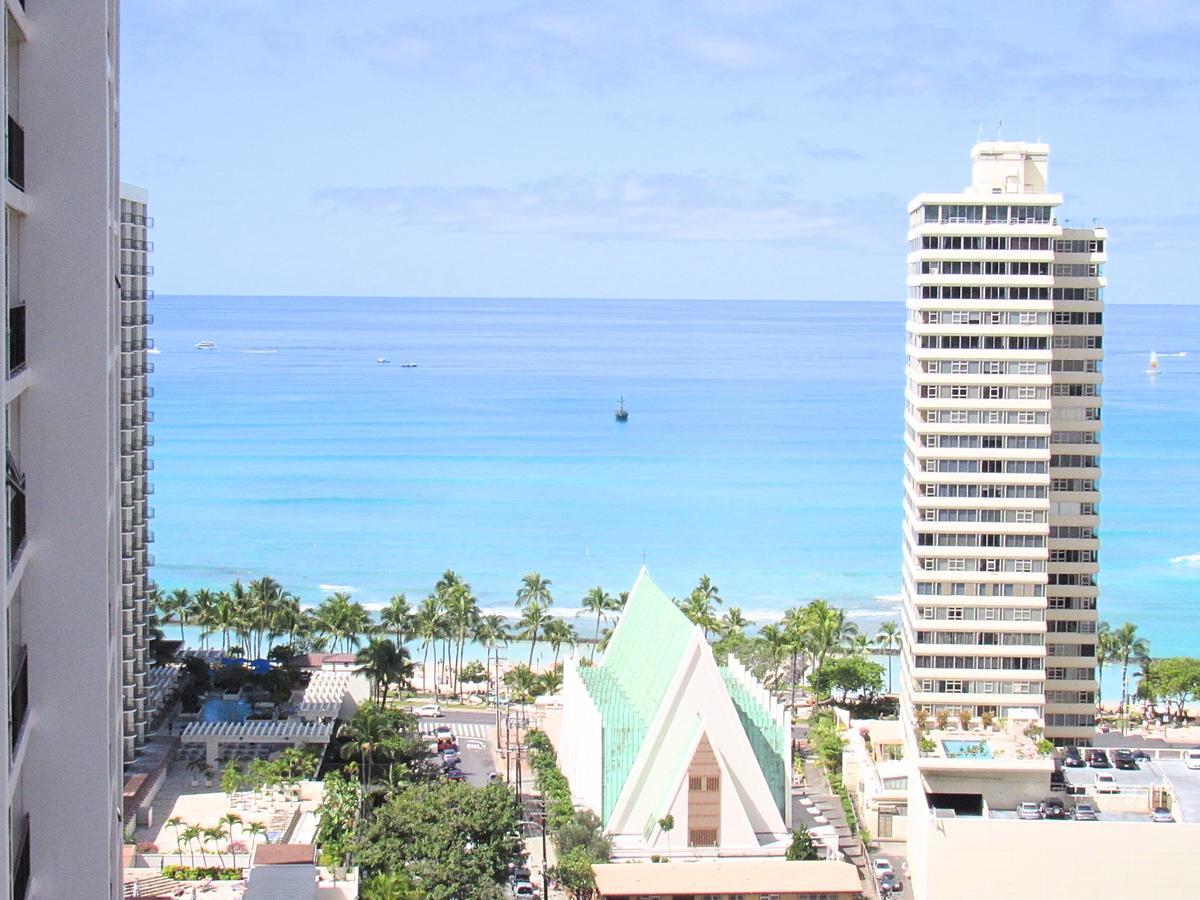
x,y
1191,759
881,867
428,709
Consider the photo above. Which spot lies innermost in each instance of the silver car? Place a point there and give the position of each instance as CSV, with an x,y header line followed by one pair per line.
x,y
1161,814
1029,810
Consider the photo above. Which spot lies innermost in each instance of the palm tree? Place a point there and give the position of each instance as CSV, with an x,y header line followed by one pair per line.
x,y
534,589
344,619
230,819
698,608
200,610
398,616
384,664
1105,653
532,621
255,830
265,597
192,834
174,823
214,834
775,639
1128,647
558,632
429,625
462,609
888,640
177,605
371,736
710,591
493,630
733,620
601,603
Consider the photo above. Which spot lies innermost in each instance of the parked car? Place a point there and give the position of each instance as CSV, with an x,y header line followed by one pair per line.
x,y
881,867
1141,756
450,758
1106,783
1085,812
1053,808
1191,759
455,775
1098,759
1029,810
1072,758
428,709
523,889
1124,759
1161,814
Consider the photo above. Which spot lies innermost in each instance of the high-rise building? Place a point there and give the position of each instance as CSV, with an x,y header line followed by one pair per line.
x,y
136,536
61,778
1002,449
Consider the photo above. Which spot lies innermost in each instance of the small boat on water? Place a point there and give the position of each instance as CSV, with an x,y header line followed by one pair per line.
x,y
622,414
383,361
1152,368
205,345
408,365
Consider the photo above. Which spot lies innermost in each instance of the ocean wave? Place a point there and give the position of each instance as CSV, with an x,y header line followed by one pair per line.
x,y
1192,559
889,598
253,350
342,588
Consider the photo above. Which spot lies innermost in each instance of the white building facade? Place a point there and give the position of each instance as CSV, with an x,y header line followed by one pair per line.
x,y
1002,449
62,786
136,464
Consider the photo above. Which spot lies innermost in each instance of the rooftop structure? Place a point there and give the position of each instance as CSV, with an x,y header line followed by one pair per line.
x,y
657,728
787,880
60,832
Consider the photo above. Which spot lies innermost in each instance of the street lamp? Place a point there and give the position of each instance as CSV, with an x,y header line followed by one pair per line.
x,y
545,878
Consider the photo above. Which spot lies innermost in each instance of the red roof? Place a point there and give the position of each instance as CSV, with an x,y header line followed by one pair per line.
x,y
285,855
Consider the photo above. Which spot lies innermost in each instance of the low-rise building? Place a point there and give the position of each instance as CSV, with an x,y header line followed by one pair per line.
x,y
727,879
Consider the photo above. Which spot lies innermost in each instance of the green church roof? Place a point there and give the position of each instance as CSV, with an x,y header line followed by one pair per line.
x,y
629,682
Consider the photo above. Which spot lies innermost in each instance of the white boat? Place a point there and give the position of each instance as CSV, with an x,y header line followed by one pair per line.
x,y
408,365
383,361
205,345
1152,368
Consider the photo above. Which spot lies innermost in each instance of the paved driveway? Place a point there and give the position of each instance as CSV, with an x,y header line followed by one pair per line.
x,y
1185,784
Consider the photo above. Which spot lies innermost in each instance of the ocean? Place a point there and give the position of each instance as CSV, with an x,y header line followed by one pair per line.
x,y
763,448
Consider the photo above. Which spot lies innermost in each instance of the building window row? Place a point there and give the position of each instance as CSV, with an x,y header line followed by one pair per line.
x,y
1076,365
978,242
1072,484
1070,696
986,466
988,292
979,613
987,491
939,539
965,589
1076,390
1073,246
1077,413
984,417
1074,437
991,214
1071,508
985,441
1078,270
986,342
1074,461
983,367
1020,516
980,392
1078,318
979,267
952,686
1003,663
942,564
981,638
1070,673
976,317
1070,649
1073,532
1060,293
1071,720
1083,603
1072,579
1077,342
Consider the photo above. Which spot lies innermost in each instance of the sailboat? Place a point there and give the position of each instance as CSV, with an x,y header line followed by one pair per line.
x,y
1152,368
622,412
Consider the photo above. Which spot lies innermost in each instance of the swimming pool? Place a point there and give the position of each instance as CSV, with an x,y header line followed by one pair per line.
x,y
220,710
967,749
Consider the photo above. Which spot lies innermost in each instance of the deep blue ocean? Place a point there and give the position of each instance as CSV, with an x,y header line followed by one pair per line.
x,y
763,447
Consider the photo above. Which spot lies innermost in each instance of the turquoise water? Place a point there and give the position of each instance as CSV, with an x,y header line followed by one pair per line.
x,y
219,710
763,447
967,749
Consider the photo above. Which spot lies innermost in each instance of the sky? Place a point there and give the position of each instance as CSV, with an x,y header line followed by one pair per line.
x,y
758,149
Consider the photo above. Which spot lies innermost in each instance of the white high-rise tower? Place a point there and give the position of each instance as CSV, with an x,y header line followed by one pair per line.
x,y
1002,447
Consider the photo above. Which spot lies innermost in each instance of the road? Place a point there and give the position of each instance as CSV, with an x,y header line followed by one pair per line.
x,y
471,731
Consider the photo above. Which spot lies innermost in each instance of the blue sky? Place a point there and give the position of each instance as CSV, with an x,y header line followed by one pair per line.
x,y
681,148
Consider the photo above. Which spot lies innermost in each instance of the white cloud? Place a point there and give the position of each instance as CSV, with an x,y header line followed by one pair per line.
x,y
728,52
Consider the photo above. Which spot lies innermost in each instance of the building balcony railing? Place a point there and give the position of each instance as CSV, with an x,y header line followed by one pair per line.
x,y
136,369
21,863
136,346
16,154
16,339
137,270
136,321
133,295
16,515
18,701
132,244
131,219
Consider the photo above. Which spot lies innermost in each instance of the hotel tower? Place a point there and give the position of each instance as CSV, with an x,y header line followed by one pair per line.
x,y
1002,449
136,536
61,780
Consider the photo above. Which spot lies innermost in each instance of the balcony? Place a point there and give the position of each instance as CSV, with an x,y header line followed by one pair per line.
x,y
16,154
16,514
137,270
132,244
135,321
18,701
131,219
16,339
21,869
133,295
